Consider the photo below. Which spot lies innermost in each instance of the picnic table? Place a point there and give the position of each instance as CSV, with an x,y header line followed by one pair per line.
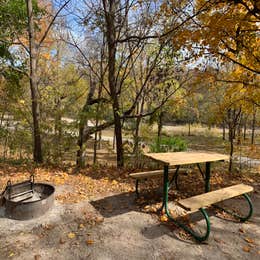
x,y
198,202
188,158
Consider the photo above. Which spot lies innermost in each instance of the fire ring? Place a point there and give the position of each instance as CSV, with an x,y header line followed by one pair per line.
x,y
27,200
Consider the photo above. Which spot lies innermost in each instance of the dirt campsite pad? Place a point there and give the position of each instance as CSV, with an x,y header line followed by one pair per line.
x,y
98,217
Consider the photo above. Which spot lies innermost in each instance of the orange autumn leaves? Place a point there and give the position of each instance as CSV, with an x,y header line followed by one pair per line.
x,y
77,187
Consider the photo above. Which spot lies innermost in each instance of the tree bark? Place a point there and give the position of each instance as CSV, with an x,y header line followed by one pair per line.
x,y
96,141
245,126
239,130
83,123
253,126
160,125
223,130
37,144
137,127
189,128
110,12
233,119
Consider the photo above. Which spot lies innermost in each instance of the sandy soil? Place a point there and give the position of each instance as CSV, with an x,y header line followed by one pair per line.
x,y
114,227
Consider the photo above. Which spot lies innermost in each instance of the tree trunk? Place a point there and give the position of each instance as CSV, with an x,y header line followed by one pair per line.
x,y
160,125
136,135
57,129
223,130
79,160
239,130
253,126
96,124
83,122
37,144
233,119
137,127
245,125
231,150
110,13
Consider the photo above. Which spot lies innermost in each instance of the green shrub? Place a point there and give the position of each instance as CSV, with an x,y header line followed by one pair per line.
x,y
168,144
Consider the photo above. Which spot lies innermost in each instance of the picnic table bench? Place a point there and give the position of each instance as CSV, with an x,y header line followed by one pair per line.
x,y
202,201
152,174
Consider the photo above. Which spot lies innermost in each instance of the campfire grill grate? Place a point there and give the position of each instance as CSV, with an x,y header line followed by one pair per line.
x,y
27,199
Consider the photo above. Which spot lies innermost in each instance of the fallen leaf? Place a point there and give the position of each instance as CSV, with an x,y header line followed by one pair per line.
x,y
99,219
241,230
89,242
153,209
81,226
62,240
71,235
37,257
173,213
164,218
114,182
246,249
249,240
218,240
11,254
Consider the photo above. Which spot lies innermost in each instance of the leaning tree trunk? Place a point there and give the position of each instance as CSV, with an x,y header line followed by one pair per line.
x,y
83,124
37,144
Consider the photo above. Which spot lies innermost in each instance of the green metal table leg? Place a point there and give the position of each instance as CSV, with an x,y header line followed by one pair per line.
x,y
198,237
207,177
241,218
165,185
175,178
201,172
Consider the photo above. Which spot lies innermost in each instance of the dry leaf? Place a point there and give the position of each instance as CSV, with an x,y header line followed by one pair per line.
x,y
11,254
249,240
153,209
164,218
246,249
114,182
241,230
81,226
62,240
37,257
89,242
173,213
71,235
99,219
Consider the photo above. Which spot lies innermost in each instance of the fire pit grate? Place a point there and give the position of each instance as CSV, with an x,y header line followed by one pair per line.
x,y
26,200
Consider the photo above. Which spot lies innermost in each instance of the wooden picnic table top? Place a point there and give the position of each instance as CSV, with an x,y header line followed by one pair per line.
x,y
189,157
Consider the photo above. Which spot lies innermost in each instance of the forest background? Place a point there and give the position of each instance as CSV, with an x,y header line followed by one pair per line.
x,y
82,78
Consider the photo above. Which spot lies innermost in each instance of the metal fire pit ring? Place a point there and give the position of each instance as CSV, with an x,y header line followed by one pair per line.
x,y
39,201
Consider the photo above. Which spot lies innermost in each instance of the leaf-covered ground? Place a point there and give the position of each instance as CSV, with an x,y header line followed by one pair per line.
x,y
97,216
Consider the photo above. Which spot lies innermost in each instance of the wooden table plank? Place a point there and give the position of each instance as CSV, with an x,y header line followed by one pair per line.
x,y
190,157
